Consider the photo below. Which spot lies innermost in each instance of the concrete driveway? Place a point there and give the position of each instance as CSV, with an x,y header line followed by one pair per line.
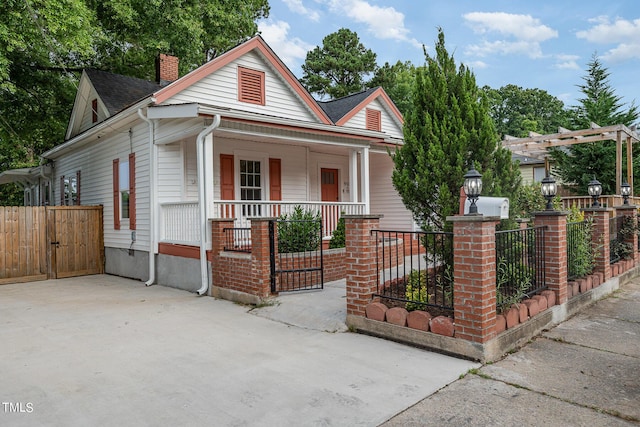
x,y
103,350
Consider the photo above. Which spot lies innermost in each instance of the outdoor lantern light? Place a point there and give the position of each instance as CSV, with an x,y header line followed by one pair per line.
x,y
595,190
549,191
472,188
625,190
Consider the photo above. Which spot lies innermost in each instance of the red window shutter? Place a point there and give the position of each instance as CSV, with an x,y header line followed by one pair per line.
x,y
132,191
116,194
62,190
373,120
251,86
78,188
275,180
227,190
94,111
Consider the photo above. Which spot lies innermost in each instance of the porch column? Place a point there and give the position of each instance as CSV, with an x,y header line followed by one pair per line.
x,y
353,176
365,179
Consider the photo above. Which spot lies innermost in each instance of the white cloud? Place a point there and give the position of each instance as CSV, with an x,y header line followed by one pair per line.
x,y
296,6
567,62
623,33
522,33
476,65
382,22
292,51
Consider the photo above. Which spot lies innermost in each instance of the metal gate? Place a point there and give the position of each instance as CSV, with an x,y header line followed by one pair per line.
x,y
296,255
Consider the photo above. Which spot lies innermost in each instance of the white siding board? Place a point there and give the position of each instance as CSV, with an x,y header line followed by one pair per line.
x,y
293,165
384,197
96,163
221,89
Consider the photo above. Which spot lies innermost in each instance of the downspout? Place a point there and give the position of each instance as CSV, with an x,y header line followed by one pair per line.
x,y
152,201
204,271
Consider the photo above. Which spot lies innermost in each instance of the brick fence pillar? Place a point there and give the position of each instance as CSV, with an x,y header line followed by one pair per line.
x,y
632,239
600,239
555,251
360,261
260,256
474,277
217,246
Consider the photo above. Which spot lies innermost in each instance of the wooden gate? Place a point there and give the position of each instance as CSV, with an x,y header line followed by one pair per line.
x,y
75,239
38,243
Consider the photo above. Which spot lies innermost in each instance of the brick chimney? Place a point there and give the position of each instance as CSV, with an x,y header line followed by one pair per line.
x,y
166,68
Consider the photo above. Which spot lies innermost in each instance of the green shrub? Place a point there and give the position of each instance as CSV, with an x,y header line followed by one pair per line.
x,y
416,290
299,231
512,282
581,257
338,237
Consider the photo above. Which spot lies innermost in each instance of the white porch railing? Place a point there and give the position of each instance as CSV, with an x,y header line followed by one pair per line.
x,y
179,220
179,223
243,211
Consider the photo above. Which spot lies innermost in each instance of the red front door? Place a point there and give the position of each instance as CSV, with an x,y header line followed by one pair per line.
x,y
329,185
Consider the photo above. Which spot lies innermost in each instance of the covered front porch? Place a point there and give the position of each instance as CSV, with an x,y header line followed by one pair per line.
x,y
256,170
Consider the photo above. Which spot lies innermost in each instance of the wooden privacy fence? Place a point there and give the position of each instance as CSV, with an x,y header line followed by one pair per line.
x,y
38,243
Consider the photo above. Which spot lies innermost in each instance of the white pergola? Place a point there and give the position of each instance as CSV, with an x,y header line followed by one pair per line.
x,y
536,145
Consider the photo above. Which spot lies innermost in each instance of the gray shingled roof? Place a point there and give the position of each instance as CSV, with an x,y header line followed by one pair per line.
x,y
338,108
117,91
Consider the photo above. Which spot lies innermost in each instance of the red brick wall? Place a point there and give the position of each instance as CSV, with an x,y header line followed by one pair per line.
x,y
600,234
555,245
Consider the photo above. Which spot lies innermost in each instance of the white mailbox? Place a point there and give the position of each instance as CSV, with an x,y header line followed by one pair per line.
x,y
490,206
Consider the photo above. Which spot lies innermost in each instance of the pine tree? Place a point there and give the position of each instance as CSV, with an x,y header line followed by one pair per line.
x,y
448,131
600,105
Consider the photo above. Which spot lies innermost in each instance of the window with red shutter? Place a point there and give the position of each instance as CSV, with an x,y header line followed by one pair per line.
x,y
251,86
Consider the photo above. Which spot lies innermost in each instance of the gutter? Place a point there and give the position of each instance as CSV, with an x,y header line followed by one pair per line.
x,y
152,201
204,271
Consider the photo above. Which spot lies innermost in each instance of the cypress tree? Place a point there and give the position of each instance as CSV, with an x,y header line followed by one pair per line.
x,y
448,131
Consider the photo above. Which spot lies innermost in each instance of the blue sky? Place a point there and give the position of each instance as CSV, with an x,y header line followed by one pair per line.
x,y
542,44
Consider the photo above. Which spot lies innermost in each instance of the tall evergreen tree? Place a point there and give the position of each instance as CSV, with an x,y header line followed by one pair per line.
x,y
448,131
580,163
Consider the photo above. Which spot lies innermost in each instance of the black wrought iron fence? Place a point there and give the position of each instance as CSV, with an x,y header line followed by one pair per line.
x,y
415,270
616,239
580,256
520,264
237,239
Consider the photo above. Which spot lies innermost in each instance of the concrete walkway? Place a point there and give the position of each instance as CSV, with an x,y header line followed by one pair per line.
x,y
103,350
584,372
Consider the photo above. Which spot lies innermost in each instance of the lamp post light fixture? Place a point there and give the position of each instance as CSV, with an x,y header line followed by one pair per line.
x,y
472,188
625,190
595,190
549,191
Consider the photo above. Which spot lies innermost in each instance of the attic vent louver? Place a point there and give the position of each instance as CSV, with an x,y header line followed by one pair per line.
x,y
251,86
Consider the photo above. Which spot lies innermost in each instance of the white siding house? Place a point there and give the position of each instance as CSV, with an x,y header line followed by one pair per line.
x,y
237,137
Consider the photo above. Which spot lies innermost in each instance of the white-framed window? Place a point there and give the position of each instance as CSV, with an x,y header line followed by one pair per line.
x,y
251,185
123,181
70,190
538,174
